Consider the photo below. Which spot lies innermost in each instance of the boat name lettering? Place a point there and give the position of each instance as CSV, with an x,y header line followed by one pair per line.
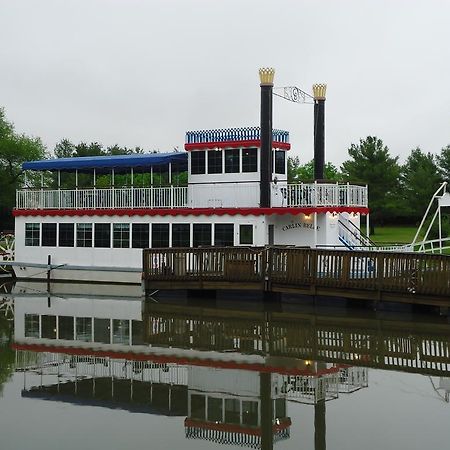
x,y
291,226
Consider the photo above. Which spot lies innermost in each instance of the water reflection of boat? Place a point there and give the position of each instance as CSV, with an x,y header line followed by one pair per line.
x,y
230,373
100,351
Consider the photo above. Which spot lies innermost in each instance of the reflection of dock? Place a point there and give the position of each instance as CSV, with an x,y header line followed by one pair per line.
x,y
369,342
250,340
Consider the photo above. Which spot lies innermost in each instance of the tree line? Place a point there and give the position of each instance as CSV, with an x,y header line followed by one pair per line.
x,y
398,193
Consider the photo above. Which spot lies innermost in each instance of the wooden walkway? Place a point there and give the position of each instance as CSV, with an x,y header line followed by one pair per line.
x,y
403,277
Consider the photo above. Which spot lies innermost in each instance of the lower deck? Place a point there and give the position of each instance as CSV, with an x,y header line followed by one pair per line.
x,y
109,248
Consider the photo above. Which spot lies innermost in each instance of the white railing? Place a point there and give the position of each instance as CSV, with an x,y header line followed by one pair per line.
x,y
219,195
117,198
319,194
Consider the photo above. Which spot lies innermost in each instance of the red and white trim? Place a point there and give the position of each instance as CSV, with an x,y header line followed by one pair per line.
x,y
190,211
233,144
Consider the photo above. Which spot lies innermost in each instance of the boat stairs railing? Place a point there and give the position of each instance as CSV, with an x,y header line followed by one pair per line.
x,y
352,238
216,195
396,276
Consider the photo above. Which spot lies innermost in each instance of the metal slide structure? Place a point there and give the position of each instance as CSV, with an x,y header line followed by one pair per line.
x,y
353,239
440,200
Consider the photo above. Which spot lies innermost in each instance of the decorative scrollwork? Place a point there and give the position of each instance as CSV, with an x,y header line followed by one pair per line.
x,y
293,94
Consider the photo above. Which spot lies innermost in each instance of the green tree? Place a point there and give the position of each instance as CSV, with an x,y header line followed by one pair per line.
x,y
372,164
305,172
14,150
420,178
7,355
64,149
443,160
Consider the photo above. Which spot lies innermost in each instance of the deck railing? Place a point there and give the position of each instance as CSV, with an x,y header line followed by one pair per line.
x,y
408,274
117,198
193,196
319,194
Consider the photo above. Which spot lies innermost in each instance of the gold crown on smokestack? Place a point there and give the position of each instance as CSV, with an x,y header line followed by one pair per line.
x,y
266,75
319,91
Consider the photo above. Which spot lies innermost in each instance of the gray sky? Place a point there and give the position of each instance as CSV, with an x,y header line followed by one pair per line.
x,y
142,72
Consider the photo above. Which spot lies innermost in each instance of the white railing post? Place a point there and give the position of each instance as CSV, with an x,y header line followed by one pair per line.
x,y
315,193
171,196
348,194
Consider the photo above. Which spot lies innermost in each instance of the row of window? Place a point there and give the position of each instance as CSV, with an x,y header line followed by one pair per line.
x,y
87,329
229,161
232,410
137,234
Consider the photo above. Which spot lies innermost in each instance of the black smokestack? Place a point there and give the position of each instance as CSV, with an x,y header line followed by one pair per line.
x,y
266,78
319,91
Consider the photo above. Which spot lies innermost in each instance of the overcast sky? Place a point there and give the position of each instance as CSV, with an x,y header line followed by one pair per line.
x,y
142,72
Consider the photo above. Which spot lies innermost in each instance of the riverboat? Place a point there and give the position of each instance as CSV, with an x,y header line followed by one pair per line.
x,y
89,218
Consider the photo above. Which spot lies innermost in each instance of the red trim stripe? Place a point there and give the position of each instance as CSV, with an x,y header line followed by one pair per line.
x,y
230,428
233,144
165,359
189,211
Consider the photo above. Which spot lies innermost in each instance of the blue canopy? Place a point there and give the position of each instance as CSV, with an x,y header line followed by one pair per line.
x,y
119,163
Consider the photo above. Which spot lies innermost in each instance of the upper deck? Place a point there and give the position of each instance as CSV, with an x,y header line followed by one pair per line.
x,y
312,195
220,169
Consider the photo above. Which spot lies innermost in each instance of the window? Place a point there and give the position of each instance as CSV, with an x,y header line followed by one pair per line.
x,y
232,160
138,332
246,234
66,234
280,157
102,331
121,235
32,232
84,234
198,407
249,160
224,234
31,325
48,327
65,328
49,234
83,329
121,332
215,409
140,235
160,235
198,162
202,234
280,408
232,410
102,235
215,161
181,235
250,413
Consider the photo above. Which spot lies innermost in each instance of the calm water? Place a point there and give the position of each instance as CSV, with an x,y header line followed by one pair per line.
x,y
103,368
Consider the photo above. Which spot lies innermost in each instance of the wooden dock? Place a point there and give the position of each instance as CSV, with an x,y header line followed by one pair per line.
x,y
414,278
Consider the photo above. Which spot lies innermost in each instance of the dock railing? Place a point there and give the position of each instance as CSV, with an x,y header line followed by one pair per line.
x,y
290,268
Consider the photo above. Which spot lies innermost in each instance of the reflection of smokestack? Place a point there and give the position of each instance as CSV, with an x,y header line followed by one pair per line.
x,y
266,78
319,91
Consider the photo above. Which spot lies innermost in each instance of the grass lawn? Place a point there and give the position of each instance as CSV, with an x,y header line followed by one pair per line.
x,y
394,234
